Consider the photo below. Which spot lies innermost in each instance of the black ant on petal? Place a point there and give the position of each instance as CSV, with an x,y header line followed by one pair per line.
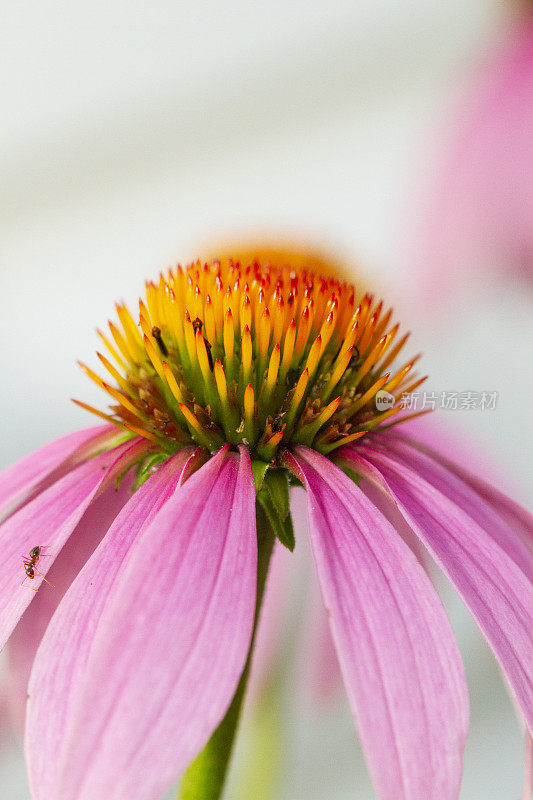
x,y
30,565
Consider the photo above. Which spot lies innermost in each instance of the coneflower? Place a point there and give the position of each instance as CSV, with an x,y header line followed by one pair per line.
x,y
235,383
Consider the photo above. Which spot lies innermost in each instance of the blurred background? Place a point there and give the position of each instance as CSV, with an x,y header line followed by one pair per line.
x,y
392,134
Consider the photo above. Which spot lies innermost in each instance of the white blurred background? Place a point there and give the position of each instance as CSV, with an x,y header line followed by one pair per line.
x,y
133,133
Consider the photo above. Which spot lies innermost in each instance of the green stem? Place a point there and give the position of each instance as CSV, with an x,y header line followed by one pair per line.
x,y
204,778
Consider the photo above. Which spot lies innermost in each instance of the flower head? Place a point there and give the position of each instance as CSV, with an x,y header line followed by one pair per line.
x,y
238,382
262,356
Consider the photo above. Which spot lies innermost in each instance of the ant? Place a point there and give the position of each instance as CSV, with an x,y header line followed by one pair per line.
x,y
197,325
156,333
30,564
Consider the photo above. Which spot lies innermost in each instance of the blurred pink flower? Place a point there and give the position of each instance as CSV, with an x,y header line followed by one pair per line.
x,y
477,216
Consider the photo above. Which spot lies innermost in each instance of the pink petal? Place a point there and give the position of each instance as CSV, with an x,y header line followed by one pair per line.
x,y
4,702
49,519
83,616
390,511
397,653
25,475
436,433
446,480
517,517
493,587
527,788
26,637
139,684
